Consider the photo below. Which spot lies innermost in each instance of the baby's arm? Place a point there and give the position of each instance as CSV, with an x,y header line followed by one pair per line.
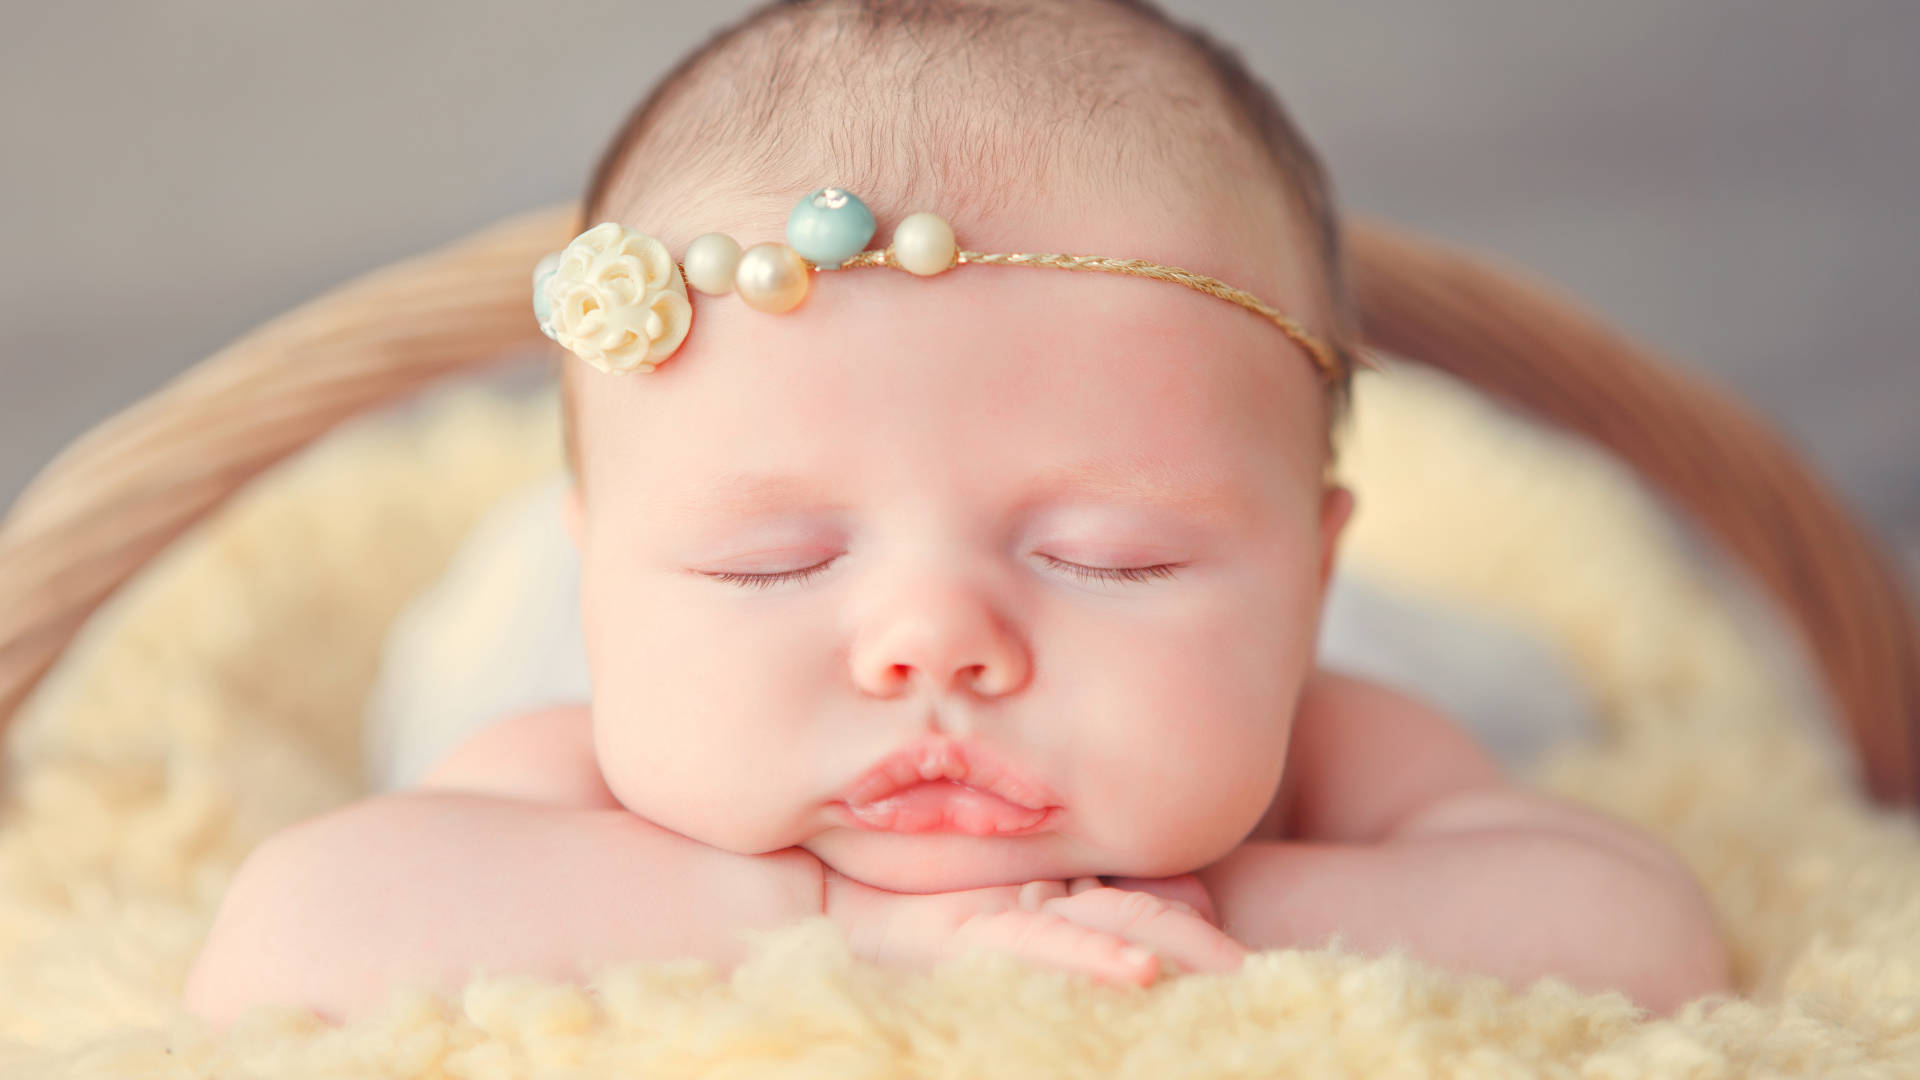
x,y
425,887
1407,836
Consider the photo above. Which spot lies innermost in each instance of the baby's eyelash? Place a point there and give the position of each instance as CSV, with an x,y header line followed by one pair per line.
x,y
763,581
1125,573
1085,573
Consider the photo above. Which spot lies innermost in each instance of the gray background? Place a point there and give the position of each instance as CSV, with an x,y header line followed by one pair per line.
x,y
1732,182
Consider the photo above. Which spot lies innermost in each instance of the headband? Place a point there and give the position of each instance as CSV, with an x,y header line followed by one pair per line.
x,y
616,299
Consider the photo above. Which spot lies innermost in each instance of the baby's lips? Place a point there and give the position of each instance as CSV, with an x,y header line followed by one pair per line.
x,y
942,804
939,757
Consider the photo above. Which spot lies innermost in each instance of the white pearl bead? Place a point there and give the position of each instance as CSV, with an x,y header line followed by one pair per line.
x,y
771,277
711,261
923,244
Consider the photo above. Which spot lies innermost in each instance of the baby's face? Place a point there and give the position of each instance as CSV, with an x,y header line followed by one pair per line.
x,y
932,460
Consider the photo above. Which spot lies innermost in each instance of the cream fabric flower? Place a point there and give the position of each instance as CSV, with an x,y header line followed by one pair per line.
x,y
617,300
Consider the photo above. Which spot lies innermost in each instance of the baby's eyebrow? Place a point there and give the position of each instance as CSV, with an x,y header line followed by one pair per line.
x,y
1184,486
743,493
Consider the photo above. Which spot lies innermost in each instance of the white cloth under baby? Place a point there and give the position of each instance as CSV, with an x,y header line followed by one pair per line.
x,y
499,633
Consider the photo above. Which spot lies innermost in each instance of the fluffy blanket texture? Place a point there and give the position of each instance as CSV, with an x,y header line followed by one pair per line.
x,y
219,698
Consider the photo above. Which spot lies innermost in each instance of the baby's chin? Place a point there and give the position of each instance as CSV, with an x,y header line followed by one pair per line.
x,y
936,862
939,862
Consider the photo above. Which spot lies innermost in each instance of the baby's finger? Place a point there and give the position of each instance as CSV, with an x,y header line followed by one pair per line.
x,y
1151,922
1035,893
1049,940
1182,888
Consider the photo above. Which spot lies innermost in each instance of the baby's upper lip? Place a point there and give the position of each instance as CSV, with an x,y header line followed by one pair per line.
x,y
938,757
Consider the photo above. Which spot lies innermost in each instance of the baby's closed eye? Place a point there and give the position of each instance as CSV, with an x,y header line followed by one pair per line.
x,y
1077,570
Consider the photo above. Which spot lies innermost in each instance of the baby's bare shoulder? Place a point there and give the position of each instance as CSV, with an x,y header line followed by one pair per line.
x,y
545,756
1364,756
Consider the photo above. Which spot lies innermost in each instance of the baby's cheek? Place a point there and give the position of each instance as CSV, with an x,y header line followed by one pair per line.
x,y
1194,807
1178,787
1203,746
642,733
690,744
688,785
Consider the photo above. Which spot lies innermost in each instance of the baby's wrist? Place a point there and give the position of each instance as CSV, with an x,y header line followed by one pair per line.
x,y
838,892
854,905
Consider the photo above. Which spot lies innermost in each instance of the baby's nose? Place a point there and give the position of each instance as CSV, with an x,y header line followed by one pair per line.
x,y
951,647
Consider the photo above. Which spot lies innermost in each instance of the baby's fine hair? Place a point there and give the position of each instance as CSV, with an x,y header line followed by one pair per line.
x,y
962,106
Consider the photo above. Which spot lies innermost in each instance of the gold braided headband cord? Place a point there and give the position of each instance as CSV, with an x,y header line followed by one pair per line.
x,y
1328,361
617,300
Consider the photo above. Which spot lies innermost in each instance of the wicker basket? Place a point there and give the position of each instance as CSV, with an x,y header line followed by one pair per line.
x,y
125,490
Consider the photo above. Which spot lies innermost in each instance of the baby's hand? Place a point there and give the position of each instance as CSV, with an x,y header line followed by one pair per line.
x,y
1081,926
1182,891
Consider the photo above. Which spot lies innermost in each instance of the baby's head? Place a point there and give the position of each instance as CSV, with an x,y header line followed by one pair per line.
x,y
953,472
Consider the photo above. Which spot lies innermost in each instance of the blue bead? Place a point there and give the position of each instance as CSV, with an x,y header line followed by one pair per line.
x,y
829,226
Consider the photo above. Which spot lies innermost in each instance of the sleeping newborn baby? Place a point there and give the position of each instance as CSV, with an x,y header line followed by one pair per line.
x,y
974,609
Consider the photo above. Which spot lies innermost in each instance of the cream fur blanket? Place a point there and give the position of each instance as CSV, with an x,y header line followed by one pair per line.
x,y
219,698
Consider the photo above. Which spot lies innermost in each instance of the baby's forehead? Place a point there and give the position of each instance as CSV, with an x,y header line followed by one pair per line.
x,y
986,366
995,448
885,343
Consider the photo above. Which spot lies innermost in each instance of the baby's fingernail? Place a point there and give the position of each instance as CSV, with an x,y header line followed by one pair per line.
x,y
1135,956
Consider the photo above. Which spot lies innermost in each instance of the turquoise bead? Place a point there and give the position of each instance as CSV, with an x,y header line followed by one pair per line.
x,y
829,226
